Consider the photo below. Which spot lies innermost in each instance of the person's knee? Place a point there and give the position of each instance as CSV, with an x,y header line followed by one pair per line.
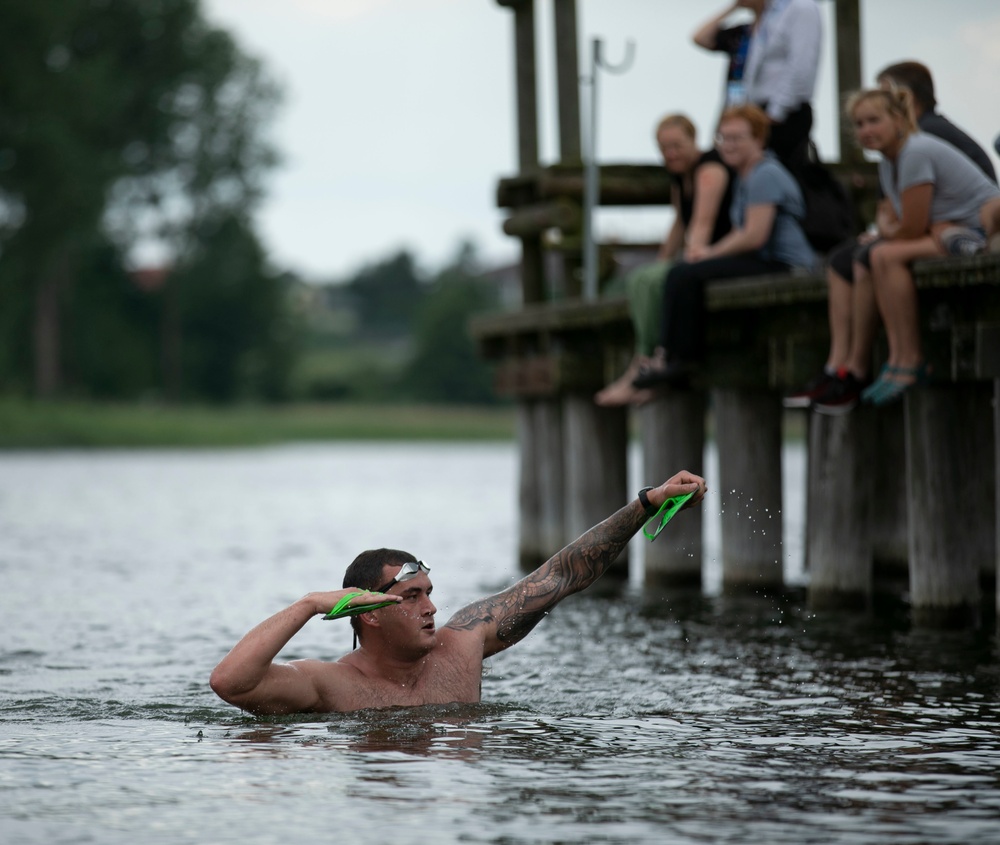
x,y
989,215
880,258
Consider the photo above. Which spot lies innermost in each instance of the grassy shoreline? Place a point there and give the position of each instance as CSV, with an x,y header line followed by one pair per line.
x,y
75,425
54,425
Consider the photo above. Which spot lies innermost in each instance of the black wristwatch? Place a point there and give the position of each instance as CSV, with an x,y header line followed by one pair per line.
x,y
649,507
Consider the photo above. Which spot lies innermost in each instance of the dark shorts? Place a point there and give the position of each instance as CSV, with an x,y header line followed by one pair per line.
x,y
842,258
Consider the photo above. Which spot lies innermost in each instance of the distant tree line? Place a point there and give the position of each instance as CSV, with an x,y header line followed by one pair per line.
x,y
135,122
391,332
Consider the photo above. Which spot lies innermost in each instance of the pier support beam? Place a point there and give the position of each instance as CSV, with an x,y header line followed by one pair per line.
x,y
952,502
890,543
542,481
839,509
748,433
596,471
996,467
526,87
673,438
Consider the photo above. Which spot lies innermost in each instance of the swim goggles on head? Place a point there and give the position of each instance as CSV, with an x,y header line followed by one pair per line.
x,y
406,572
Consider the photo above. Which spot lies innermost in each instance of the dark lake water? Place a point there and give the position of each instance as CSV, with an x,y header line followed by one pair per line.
x,y
626,717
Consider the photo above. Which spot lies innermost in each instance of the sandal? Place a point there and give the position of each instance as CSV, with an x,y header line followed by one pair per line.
x,y
893,382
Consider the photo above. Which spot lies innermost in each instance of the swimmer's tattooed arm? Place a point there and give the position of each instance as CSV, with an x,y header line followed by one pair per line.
x,y
509,616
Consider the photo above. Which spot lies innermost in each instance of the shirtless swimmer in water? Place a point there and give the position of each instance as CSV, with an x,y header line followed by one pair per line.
x,y
404,660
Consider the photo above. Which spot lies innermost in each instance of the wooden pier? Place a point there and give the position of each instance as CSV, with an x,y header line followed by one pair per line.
x,y
908,491
909,488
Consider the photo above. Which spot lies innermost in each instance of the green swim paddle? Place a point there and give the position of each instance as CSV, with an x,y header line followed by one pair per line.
x,y
340,609
664,515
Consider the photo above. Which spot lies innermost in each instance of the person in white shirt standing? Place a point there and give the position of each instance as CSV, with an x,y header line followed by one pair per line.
x,y
780,74
774,63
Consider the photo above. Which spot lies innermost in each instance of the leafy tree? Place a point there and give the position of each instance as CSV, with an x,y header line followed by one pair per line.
x,y
131,113
386,294
110,312
445,366
239,336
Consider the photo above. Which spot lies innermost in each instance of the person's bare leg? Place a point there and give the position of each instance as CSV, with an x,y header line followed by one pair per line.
x,y
896,296
839,308
864,323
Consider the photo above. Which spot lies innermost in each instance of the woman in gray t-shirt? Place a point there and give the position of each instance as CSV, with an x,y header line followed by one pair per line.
x,y
930,186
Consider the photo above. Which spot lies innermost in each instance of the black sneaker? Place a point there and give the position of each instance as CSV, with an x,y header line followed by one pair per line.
x,y
842,396
804,397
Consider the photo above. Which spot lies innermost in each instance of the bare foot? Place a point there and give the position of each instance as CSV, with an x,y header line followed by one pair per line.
x,y
620,391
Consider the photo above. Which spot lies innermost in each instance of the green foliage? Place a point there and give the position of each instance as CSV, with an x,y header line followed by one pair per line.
x,y
445,366
386,295
356,371
107,311
420,353
133,119
33,424
236,335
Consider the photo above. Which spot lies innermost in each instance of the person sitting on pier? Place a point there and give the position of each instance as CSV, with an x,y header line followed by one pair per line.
x,y
837,389
404,659
930,187
701,194
916,78
766,237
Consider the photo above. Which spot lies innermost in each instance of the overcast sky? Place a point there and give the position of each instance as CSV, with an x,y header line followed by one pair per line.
x,y
398,117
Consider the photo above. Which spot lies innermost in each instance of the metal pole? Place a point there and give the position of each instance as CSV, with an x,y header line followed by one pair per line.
x,y
591,192
591,184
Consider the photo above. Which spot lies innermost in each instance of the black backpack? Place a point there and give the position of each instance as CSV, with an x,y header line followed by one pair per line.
x,y
830,216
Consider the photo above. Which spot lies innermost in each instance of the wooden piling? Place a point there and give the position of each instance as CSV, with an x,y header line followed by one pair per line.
x,y
541,489
890,551
596,472
551,474
996,468
567,80
526,86
840,483
748,434
952,525
672,430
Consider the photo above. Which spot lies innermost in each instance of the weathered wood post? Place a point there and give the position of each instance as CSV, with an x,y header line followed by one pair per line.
x,y
672,429
996,466
748,434
568,95
542,481
526,86
596,444
952,501
848,22
537,482
840,485
890,545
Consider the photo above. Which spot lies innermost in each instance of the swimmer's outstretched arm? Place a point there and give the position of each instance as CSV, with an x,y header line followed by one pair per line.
x,y
506,618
